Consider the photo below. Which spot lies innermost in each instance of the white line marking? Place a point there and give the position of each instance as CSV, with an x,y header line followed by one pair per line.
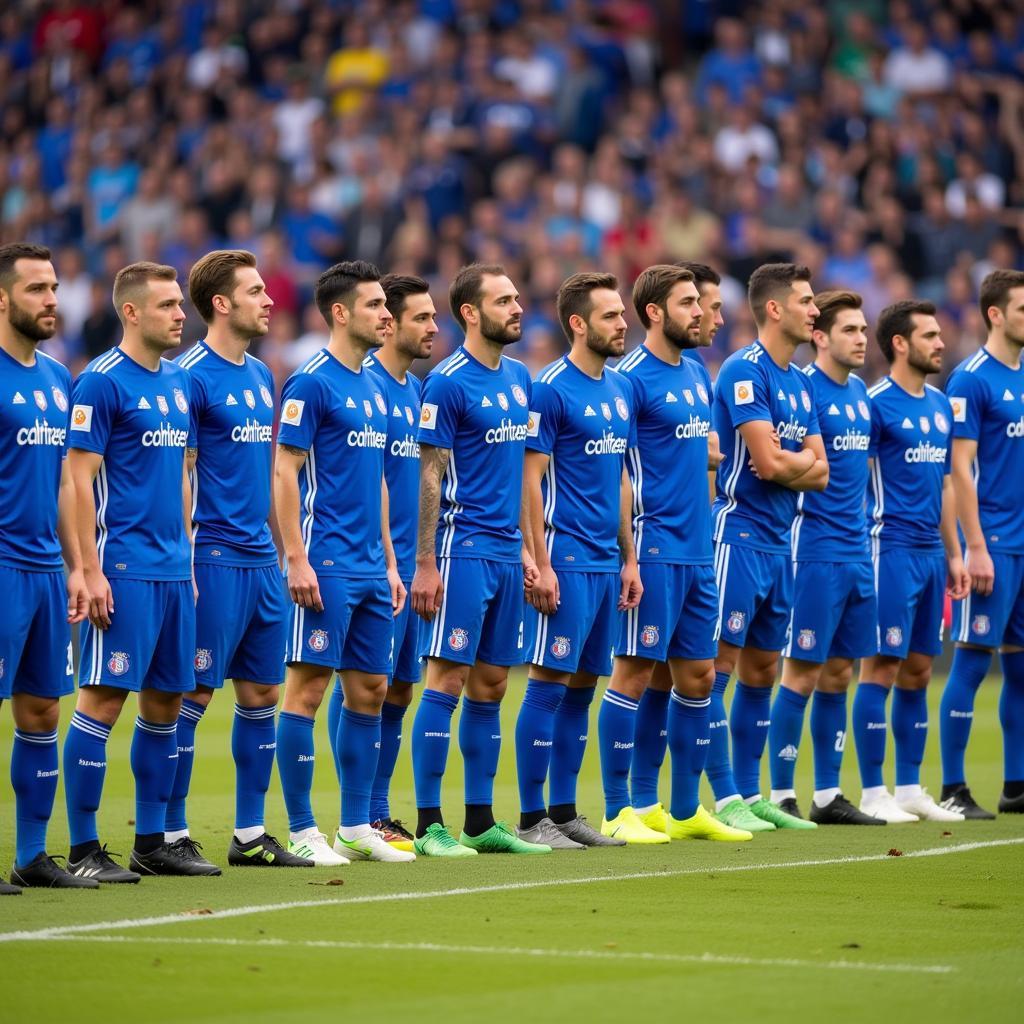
x,y
397,897
547,954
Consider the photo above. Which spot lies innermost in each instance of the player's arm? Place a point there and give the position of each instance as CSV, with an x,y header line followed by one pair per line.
x,y
78,594
526,519
543,594
958,579
427,589
715,455
965,450
769,460
631,588
816,478
302,582
83,467
394,579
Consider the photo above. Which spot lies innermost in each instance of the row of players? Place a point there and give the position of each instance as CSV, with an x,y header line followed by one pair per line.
x,y
560,521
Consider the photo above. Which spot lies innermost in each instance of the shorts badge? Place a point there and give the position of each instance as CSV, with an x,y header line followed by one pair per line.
x,y
806,641
649,636
318,640
203,660
981,626
458,639
734,623
118,663
893,636
561,647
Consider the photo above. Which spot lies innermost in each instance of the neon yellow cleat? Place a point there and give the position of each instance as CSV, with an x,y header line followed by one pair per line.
x,y
626,825
656,819
703,826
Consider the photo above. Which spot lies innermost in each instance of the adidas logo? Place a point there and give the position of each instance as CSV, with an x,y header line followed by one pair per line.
x,y
349,404
788,752
833,410
589,411
19,398
907,424
396,412
486,403
143,404
781,395
231,400
1008,395
669,397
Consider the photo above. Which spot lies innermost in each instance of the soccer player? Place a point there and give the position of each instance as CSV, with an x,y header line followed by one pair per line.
x,y
986,392
332,508
242,609
580,417
36,525
129,428
834,614
768,426
472,559
913,514
676,620
409,336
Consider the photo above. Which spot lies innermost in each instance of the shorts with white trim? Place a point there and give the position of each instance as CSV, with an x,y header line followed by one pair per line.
x,y
835,614
994,619
755,596
407,665
911,590
582,631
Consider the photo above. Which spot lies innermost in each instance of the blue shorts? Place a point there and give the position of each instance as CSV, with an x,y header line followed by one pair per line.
x,y
755,596
35,638
582,631
407,665
677,616
241,624
150,640
911,590
482,613
997,618
834,611
356,629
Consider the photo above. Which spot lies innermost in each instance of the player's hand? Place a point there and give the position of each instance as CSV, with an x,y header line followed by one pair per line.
x,y
632,589
427,590
982,570
715,459
303,586
195,590
101,599
78,597
398,591
531,574
958,579
544,594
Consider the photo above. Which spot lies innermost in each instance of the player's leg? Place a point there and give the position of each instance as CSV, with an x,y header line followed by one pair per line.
x,y
392,715
193,707
789,707
1011,718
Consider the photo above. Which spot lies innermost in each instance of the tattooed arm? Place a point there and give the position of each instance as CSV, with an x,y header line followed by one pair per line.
x,y
427,589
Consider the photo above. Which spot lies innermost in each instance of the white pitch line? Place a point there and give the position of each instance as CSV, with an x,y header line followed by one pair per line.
x,y
397,897
504,951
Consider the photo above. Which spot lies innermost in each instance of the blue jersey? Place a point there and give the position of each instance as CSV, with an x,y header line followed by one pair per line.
x,y
751,386
912,452
668,458
584,425
232,426
138,420
987,399
34,420
401,463
480,415
831,525
340,417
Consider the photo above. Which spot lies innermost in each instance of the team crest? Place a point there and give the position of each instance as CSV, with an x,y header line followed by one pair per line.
x,y
606,409
409,416
806,641
806,400
250,398
688,395
318,640
792,402
118,663
894,636
621,408
649,636
925,425
367,408
381,404
458,639
519,394
703,392
850,414
59,399
980,626
503,401
161,404
941,423
268,398
864,410
40,397
561,647
735,621
180,402
203,660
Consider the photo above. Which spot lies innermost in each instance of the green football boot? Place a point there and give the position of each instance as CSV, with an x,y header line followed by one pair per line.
x,y
500,838
739,815
437,841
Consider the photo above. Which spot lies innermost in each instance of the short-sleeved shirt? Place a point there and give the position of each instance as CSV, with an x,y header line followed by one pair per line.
x,y
750,512
831,525
232,426
138,420
34,427
987,398
668,458
340,417
583,424
911,444
480,415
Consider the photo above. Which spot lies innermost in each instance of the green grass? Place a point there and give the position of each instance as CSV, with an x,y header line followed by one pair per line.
x,y
717,932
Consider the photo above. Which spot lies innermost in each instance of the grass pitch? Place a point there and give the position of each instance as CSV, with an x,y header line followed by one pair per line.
x,y
791,926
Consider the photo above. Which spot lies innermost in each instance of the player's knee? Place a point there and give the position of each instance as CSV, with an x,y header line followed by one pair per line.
x,y
158,706
36,714
201,695
252,695
102,703
399,694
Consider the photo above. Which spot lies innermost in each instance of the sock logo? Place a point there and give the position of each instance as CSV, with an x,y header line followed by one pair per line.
x,y
622,746
267,746
82,763
788,752
48,775
840,744
543,743
437,735
961,714
305,758
703,742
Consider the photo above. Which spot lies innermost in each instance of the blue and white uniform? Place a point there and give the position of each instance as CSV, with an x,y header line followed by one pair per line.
x,y
834,610
242,612
583,424
752,517
480,415
987,398
35,640
138,420
912,452
340,417
668,462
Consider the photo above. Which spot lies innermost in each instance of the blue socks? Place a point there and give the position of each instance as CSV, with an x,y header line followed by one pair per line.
x,y
358,748
154,760
956,711
391,716
748,724
688,741
85,766
431,737
1011,716
568,745
651,742
616,731
828,733
869,730
719,762
480,743
909,733
34,780
535,729
188,718
295,761
784,736
334,704
253,742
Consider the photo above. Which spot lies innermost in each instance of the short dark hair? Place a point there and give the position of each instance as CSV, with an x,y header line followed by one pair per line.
x,y
653,286
338,284
131,281
14,251
702,273
214,274
573,297
398,288
899,319
995,291
773,281
830,304
467,287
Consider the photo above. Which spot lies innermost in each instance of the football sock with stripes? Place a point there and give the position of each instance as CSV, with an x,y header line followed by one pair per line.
x,y
358,748
188,718
154,760
869,729
1011,718
391,717
784,734
909,733
649,748
749,718
253,742
616,732
568,745
956,710
480,744
34,781
296,758
85,767
719,762
431,738
688,742
535,727
828,738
